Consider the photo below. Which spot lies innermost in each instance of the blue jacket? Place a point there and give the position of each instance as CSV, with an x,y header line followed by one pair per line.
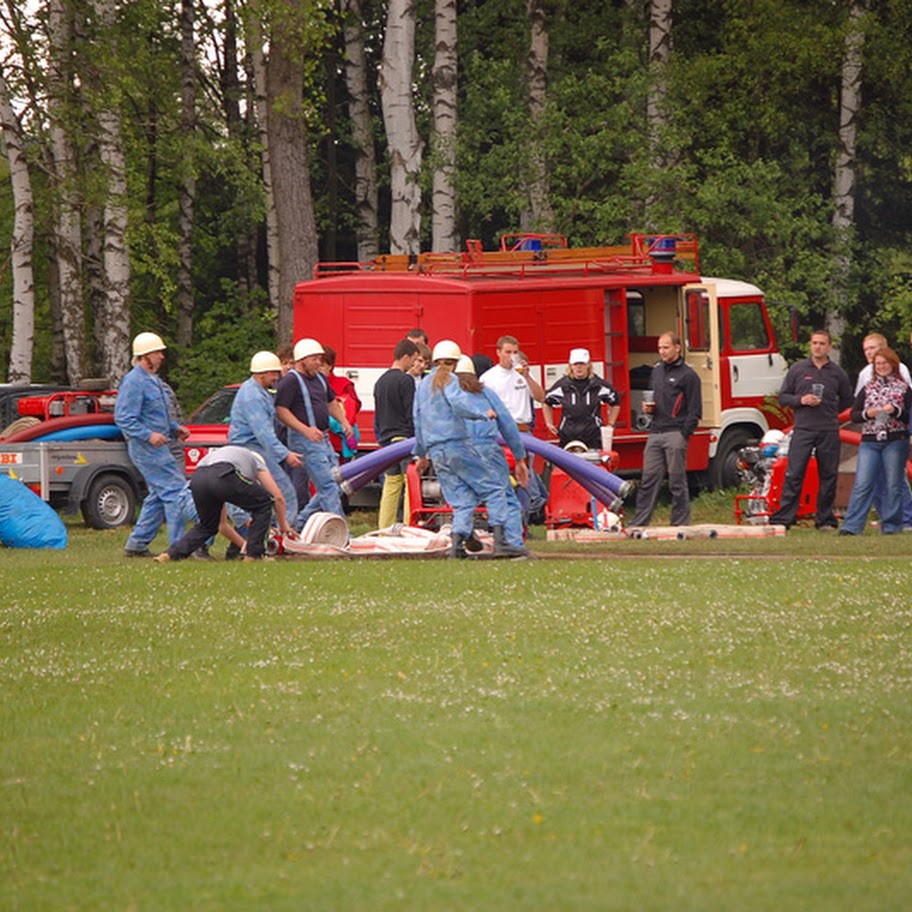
x,y
504,424
253,421
142,407
441,415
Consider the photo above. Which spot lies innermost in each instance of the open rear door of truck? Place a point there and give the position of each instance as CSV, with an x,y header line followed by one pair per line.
x,y
701,346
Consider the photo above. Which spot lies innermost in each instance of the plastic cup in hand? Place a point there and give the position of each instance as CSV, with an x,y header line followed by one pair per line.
x,y
648,401
817,390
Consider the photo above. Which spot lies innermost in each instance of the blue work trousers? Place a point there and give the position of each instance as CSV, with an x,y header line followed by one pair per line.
x,y
506,502
319,459
465,484
169,499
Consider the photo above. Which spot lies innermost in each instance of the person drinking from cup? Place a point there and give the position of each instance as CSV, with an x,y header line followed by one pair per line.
x,y
817,389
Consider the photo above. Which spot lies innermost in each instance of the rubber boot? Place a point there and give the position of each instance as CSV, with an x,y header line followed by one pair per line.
x,y
473,543
458,550
504,550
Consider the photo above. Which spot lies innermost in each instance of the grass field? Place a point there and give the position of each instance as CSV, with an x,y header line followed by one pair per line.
x,y
728,730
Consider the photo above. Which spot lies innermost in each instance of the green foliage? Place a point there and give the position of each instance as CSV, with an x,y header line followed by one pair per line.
x,y
227,334
748,149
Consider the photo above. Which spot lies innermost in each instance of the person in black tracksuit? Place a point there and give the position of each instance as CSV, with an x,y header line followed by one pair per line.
x,y
579,394
817,389
677,411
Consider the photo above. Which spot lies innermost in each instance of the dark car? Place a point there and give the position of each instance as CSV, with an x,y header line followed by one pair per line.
x,y
216,409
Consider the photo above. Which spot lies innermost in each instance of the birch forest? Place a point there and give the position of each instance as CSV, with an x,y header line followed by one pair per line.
x,y
177,165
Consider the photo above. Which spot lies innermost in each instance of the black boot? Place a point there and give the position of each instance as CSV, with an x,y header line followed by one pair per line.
x,y
473,543
503,549
458,550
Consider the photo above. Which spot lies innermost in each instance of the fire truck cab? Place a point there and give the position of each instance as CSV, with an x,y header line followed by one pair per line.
x,y
615,301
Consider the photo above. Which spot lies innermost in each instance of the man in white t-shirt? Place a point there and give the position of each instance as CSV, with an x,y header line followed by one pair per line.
x,y
511,380
870,344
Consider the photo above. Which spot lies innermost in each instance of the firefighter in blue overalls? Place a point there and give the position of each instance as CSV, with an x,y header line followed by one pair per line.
x,y
143,415
508,539
253,425
305,402
442,410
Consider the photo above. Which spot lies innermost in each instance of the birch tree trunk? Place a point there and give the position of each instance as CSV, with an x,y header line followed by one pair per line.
x,y
114,355
660,23
659,57
405,146
296,230
367,225
187,191
539,216
239,129
273,247
844,177
23,328
66,225
443,220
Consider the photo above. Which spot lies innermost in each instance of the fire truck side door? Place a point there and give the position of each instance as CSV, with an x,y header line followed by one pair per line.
x,y
701,346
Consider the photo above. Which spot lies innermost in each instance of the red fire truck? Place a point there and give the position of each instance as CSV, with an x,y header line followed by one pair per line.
x,y
615,301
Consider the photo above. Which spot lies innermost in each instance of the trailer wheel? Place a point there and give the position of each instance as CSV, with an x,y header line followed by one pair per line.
x,y
110,502
724,470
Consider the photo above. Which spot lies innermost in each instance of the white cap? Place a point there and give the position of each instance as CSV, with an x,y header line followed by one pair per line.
x,y
464,365
579,356
263,362
446,350
146,343
306,347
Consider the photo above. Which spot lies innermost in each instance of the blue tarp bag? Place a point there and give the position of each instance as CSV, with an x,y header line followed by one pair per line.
x,y
26,521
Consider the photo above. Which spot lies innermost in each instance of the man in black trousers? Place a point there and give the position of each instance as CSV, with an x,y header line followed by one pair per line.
x,y
235,475
817,390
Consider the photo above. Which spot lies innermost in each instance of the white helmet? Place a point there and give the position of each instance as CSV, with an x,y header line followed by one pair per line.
x,y
263,362
146,343
446,350
772,438
464,365
306,347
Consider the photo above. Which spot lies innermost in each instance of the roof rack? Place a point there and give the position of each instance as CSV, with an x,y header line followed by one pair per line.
x,y
524,255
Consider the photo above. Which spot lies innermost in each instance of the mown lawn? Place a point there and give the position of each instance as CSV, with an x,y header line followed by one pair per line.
x,y
727,730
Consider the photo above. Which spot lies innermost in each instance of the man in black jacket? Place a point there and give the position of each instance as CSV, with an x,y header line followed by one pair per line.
x,y
394,393
817,390
676,411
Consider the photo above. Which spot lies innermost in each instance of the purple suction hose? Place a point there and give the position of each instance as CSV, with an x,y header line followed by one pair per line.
x,y
355,474
577,467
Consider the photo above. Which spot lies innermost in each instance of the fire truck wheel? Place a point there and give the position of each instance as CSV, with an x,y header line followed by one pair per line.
x,y
724,470
110,502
